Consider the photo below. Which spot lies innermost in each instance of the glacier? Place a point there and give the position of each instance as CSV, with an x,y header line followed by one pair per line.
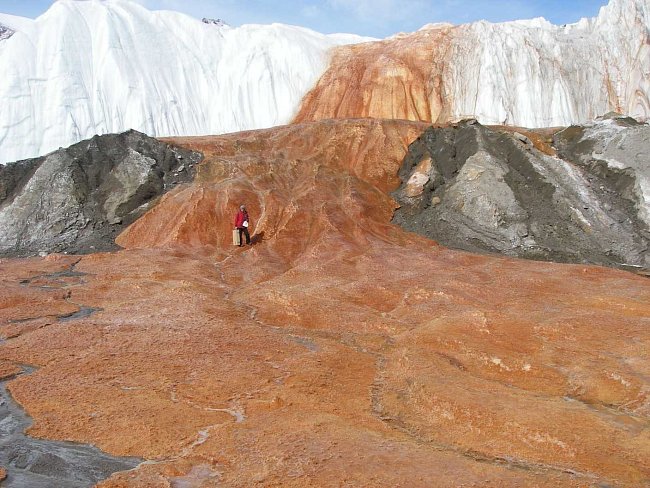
x,y
535,74
95,67
89,67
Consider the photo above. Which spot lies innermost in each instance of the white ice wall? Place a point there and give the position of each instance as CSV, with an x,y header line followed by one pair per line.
x,y
535,74
93,67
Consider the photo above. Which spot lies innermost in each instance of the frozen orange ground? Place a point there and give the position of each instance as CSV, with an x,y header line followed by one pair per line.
x,y
338,350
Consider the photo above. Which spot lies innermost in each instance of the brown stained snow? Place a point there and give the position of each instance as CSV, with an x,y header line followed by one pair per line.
x,y
399,78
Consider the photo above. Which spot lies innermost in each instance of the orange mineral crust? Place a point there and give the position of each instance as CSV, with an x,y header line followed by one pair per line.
x,y
397,78
337,350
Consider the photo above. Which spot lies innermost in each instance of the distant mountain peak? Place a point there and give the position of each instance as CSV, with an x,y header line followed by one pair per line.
x,y
217,22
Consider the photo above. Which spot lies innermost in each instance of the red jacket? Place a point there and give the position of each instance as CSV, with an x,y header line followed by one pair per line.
x,y
241,218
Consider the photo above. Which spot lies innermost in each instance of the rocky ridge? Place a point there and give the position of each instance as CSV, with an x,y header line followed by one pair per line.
x,y
78,199
489,189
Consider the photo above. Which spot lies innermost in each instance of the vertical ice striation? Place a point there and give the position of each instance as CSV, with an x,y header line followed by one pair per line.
x,y
97,67
525,73
100,66
532,73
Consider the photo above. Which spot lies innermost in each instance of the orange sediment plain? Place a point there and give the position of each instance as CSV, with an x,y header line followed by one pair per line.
x,y
338,350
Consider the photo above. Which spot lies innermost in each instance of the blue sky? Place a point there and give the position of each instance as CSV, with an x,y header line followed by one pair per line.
x,y
377,18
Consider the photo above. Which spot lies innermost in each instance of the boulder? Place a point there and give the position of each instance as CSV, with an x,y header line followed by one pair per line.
x,y
486,191
77,199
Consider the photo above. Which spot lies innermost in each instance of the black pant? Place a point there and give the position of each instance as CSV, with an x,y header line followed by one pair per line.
x,y
244,230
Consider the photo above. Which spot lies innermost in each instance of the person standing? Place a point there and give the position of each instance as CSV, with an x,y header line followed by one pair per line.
x,y
242,222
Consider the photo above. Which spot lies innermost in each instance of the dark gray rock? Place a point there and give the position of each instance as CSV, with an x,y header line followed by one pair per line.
x,y
217,22
5,32
617,150
470,187
78,199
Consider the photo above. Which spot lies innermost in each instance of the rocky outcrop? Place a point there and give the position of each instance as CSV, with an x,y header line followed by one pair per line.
x,y
217,22
78,199
616,149
471,187
5,32
527,73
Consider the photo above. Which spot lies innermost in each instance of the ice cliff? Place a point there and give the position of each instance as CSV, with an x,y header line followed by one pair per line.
x,y
535,74
525,73
94,67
